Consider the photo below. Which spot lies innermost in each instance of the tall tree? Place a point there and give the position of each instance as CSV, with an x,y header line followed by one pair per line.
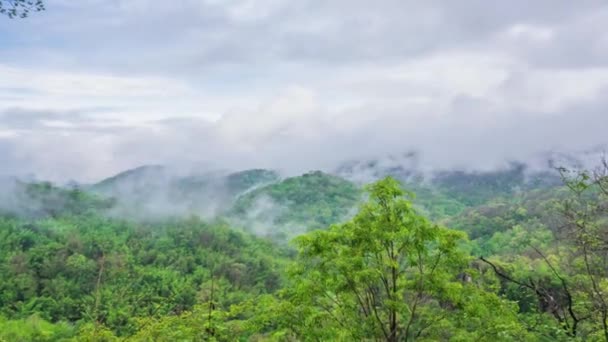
x,y
388,274
572,286
586,230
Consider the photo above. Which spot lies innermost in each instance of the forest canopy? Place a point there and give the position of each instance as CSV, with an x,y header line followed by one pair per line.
x,y
529,266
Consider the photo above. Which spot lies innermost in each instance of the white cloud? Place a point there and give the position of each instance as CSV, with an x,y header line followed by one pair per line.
x,y
530,32
90,87
134,99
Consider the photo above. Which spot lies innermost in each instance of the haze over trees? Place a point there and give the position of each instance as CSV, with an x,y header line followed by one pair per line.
x,y
523,261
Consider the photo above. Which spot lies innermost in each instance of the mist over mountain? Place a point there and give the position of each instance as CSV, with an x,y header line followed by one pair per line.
x,y
267,198
272,203
276,170
158,192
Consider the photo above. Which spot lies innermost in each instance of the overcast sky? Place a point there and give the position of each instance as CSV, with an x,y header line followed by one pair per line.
x,y
92,87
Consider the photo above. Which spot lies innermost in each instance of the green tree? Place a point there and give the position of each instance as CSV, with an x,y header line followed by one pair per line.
x,y
388,274
569,278
585,228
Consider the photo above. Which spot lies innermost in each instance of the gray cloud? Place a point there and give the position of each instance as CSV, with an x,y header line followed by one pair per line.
x,y
32,121
200,35
93,87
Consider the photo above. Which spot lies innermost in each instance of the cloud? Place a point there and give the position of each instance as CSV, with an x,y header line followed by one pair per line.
x,y
89,88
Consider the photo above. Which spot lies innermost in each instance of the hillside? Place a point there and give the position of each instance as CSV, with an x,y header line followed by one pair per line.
x,y
155,192
261,196
33,200
133,259
297,204
447,193
88,269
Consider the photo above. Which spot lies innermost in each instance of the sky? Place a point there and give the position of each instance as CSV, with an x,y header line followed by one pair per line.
x,y
89,88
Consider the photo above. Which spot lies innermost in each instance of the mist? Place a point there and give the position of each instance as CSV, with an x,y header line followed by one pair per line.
x,y
413,90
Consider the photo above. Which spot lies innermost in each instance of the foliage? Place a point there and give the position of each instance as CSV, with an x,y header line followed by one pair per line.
x,y
20,8
533,267
34,328
240,182
388,274
311,201
150,193
475,188
113,273
39,200
567,280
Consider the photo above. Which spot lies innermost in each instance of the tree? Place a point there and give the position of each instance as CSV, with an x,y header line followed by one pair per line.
x,y
388,274
573,288
586,230
20,8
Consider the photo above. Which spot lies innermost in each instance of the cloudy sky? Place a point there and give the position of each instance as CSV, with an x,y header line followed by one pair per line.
x,y
92,87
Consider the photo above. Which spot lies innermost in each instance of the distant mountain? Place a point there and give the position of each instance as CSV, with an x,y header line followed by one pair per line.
x,y
586,159
312,200
403,167
297,204
155,191
447,192
136,179
261,199
244,181
257,199
34,200
474,188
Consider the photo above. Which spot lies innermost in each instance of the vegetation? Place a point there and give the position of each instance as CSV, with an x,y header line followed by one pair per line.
x,y
153,192
115,275
390,274
520,261
311,201
20,8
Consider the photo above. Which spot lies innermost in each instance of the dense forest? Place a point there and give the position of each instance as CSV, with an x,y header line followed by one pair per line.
x,y
501,256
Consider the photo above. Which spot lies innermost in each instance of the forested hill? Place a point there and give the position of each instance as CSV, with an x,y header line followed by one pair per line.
x,y
155,192
297,204
259,195
151,255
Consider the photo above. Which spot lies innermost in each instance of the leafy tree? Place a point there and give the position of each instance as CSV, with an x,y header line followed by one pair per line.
x,y
33,328
569,279
586,230
388,274
20,8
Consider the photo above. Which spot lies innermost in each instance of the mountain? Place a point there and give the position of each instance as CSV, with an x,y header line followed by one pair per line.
x,y
297,204
262,199
68,268
474,188
34,200
151,192
403,167
443,193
